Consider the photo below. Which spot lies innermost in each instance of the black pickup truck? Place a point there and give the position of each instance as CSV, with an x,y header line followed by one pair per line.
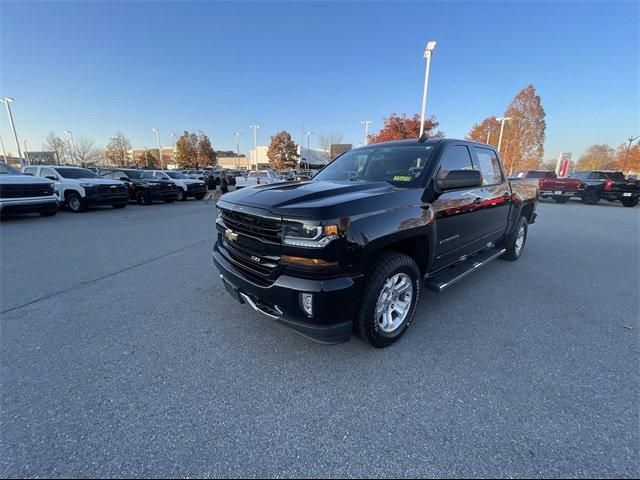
x,y
346,252
141,189
610,186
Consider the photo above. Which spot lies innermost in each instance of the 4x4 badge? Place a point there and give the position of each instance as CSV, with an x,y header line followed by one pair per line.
x,y
230,235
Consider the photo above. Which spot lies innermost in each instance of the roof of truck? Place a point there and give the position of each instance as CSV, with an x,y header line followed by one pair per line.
x,y
429,141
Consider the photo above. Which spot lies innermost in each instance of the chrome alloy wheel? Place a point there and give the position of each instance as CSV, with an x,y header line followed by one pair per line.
x,y
394,302
74,203
520,240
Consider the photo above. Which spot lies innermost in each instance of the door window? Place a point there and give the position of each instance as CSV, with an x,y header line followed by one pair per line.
x,y
47,172
489,166
456,157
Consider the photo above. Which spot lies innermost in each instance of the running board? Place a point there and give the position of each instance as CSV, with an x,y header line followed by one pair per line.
x,y
450,275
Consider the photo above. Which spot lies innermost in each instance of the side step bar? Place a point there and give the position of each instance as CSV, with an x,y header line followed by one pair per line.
x,y
450,275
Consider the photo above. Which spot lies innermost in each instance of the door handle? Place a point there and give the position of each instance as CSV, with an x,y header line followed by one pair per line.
x,y
477,201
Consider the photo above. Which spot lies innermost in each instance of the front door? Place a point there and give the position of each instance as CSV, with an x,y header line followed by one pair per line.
x,y
458,212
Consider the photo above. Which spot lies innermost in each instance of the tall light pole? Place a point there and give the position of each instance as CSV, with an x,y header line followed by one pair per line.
x,y
4,153
159,148
72,146
237,134
366,124
488,134
631,140
26,153
308,134
427,55
173,145
255,142
502,120
7,101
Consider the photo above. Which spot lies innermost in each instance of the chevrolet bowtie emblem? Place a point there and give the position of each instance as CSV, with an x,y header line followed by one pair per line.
x,y
230,235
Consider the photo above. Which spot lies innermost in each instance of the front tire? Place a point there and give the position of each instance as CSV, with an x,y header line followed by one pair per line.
x,y
516,241
389,300
143,198
182,195
75,202
629,202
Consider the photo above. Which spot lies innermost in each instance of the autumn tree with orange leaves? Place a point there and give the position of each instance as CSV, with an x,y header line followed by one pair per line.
x,y
398,127
523,137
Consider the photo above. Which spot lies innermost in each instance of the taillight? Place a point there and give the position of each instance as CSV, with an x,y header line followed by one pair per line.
x,y
608,184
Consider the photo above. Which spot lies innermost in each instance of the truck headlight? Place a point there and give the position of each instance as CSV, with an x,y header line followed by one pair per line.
x,y
87,185
299,234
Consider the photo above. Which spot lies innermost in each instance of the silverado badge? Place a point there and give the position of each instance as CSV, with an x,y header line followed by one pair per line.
x,y
230,235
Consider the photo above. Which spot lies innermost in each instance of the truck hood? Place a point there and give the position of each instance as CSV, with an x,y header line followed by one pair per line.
x,y
93,181
22,180
305,199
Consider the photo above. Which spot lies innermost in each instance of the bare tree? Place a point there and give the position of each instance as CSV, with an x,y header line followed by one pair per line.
x,y
117,150
325,140
86,153
57,145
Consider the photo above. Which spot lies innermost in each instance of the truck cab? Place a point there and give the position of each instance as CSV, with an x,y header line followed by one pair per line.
x,y
348,251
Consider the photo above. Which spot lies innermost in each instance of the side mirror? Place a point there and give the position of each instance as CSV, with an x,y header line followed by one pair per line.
x,y
461,179
51,177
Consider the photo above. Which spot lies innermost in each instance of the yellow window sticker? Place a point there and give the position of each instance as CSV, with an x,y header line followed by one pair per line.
x,y
402,178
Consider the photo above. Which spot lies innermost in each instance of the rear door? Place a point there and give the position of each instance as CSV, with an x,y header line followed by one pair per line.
x,y
496,193
458,212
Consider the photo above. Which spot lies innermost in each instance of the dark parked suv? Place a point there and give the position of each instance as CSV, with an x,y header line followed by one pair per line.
x,y
143,190
347,251
610,186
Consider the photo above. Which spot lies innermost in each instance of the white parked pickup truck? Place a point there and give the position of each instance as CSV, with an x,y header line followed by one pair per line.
x,y
20,193
257,177
79,188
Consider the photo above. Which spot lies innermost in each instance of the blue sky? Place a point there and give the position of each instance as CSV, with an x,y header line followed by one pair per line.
x,y
98,67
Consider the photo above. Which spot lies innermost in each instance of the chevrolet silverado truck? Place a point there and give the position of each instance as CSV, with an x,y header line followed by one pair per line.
x,y
611,186
141,189
347,252
20,193
79,188
560,189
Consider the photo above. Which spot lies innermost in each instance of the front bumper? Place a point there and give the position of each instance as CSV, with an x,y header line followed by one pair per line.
x,y
99,198
333,303
28,204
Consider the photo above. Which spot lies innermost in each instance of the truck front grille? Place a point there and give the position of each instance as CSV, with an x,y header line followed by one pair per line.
x,y
253,226
26,191
111,189
261,269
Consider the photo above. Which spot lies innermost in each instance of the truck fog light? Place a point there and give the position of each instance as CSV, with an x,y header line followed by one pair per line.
x,y
306,299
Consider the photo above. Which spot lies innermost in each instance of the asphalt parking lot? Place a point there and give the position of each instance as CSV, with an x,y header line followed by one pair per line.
x,y
121,355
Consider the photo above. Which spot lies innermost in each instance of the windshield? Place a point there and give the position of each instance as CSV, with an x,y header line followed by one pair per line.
x,y
76,173
137,174
616,176
176,175
7,170
399,165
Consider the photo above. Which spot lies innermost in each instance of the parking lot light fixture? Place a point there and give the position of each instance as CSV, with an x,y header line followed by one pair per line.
x,y
4,152
631,140
308,134
159,148
501,120
26,152
237,134
427,56
7,103
72,146
255,143
366,124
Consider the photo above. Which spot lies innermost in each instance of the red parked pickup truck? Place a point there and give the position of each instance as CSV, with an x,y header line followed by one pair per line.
x,y
560,189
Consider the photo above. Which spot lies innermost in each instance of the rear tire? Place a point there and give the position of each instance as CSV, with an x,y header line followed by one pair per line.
x,y
561,199
48,213
516,241
75,202
392,287
629,202
590,197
